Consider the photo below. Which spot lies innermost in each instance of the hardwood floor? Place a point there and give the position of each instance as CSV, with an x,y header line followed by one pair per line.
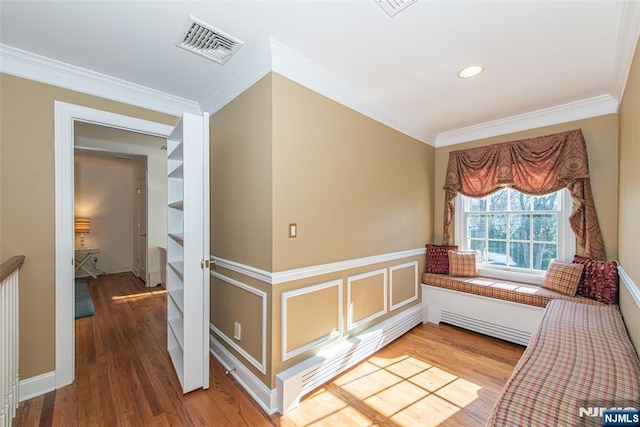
x,y
433,375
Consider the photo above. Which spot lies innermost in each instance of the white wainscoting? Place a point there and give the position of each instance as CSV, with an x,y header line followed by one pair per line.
x,y
286,296
354,323
630,309
261,364
395,305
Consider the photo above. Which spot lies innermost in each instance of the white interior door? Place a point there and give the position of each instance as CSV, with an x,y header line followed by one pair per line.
x,y
187,250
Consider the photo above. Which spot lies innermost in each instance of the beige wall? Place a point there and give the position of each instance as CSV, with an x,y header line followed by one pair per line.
x,y
601,136
282,153
241,169
629,196
354,186
27,203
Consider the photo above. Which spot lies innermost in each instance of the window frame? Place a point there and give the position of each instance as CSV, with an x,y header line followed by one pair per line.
x,y
566,243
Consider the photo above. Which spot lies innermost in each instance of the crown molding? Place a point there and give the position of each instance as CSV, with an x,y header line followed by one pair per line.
x,y
244,72
627,40
584,109
294,66
30,66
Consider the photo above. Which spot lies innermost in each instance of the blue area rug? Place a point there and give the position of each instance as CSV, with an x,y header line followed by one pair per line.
x,y
84,304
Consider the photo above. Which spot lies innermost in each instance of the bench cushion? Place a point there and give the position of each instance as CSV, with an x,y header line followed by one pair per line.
x,y
505,290
580,356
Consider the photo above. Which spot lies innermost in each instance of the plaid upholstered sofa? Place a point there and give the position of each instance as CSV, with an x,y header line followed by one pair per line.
x,y
579,361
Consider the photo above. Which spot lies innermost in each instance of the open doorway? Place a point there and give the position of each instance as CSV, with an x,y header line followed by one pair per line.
x,y
66,117
120,185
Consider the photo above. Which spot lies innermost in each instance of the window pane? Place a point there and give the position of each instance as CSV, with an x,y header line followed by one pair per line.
x,y
497,253
520,227
476,226
543,253
497,226
476,205
519,201
549,202
545,228
478,246
498,201
520,255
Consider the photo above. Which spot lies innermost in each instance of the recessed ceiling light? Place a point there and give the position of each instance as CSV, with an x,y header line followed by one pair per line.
x,y
470,71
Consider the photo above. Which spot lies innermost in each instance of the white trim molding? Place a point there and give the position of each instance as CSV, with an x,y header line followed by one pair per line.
x,y
627,40
247,68
354,323
37,386
286,355
261,364
30,66
631,286
263,395
314,270
288,63
65,115
399,304
579,110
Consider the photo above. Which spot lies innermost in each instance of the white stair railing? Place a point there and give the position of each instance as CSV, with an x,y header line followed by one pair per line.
x,y
9,339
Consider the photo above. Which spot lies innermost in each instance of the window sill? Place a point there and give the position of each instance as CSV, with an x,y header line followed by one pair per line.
x,y
530,278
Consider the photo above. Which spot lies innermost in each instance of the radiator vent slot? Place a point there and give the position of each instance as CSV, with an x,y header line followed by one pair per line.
x,y
393,7
207,41
486,328
298,380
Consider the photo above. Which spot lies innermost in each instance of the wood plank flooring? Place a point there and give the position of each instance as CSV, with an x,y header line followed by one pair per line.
x,y
433,375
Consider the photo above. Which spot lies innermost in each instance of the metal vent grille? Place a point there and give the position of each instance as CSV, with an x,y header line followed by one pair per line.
x,y
393,7
207,41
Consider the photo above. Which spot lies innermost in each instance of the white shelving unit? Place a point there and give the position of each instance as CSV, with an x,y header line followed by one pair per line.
x,y
187,223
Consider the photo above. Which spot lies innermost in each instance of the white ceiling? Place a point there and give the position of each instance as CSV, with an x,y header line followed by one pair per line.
x,y
546,61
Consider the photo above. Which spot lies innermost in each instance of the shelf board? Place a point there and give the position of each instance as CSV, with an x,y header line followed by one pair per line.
x,y
177,205
178,267
177,296
177,327
176,152
177,172
179,237
178,362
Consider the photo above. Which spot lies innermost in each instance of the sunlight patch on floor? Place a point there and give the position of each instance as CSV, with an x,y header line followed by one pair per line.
x,y
404,390
136,297
324,408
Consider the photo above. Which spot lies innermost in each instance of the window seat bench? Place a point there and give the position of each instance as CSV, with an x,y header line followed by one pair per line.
x,y
504,309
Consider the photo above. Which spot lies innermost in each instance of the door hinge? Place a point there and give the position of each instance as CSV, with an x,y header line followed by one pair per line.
x,y
208,264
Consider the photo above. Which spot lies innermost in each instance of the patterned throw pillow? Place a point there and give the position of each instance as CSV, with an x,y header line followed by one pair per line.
x,y
562,277
599,280
462,264
438,258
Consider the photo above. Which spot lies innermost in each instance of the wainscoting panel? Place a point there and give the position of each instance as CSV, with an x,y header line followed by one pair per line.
x,y
311,316
233,301
403,284
630,307
366,297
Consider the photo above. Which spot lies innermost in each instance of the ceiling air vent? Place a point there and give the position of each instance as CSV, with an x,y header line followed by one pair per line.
x,y
207,41
393,7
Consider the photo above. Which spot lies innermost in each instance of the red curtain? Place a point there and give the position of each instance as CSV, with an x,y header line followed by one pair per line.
x,y
533,166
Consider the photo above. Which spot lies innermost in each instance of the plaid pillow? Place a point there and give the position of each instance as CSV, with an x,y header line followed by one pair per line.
x,y
562,277
462,264
599,280
438,258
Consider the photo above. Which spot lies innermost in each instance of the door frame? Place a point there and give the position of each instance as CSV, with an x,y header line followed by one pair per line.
x,y
65,115
147,276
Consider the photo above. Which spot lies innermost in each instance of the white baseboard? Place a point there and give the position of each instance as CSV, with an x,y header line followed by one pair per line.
x,y
37,386
263,395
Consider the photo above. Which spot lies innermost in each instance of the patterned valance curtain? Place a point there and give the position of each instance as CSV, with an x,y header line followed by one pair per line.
x,y
535,166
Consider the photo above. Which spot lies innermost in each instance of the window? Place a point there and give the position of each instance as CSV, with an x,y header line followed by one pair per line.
x,y
516,234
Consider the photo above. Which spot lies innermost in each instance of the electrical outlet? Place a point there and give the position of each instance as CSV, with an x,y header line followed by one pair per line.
x,y
237,331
